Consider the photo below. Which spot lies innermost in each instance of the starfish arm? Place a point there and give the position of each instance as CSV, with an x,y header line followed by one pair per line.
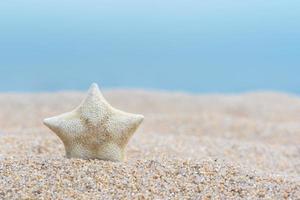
x,y
94,108
122,125
66,126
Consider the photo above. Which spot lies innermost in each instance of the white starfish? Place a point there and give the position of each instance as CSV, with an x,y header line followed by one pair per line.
x,y
95,130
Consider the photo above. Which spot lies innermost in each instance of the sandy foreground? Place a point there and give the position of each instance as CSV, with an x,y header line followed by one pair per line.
x,y
189,147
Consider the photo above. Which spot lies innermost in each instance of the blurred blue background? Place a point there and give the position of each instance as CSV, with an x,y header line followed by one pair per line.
x,y
195,46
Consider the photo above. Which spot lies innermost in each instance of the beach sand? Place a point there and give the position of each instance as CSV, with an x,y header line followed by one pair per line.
x,y
243,146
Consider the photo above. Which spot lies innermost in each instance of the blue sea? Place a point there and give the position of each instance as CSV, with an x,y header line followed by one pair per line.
x,y
195,46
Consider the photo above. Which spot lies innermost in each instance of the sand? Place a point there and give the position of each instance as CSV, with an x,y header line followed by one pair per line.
x,y
243,146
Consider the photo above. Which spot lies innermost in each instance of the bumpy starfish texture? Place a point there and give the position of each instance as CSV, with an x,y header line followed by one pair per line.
x,y
95,130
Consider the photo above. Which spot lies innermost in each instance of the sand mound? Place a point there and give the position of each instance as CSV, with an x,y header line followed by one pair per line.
x,y
197,147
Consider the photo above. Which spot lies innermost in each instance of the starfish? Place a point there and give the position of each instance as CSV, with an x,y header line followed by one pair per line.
x,y
95,130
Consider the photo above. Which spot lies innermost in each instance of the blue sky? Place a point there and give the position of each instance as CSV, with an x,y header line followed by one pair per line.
x,y
195,46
